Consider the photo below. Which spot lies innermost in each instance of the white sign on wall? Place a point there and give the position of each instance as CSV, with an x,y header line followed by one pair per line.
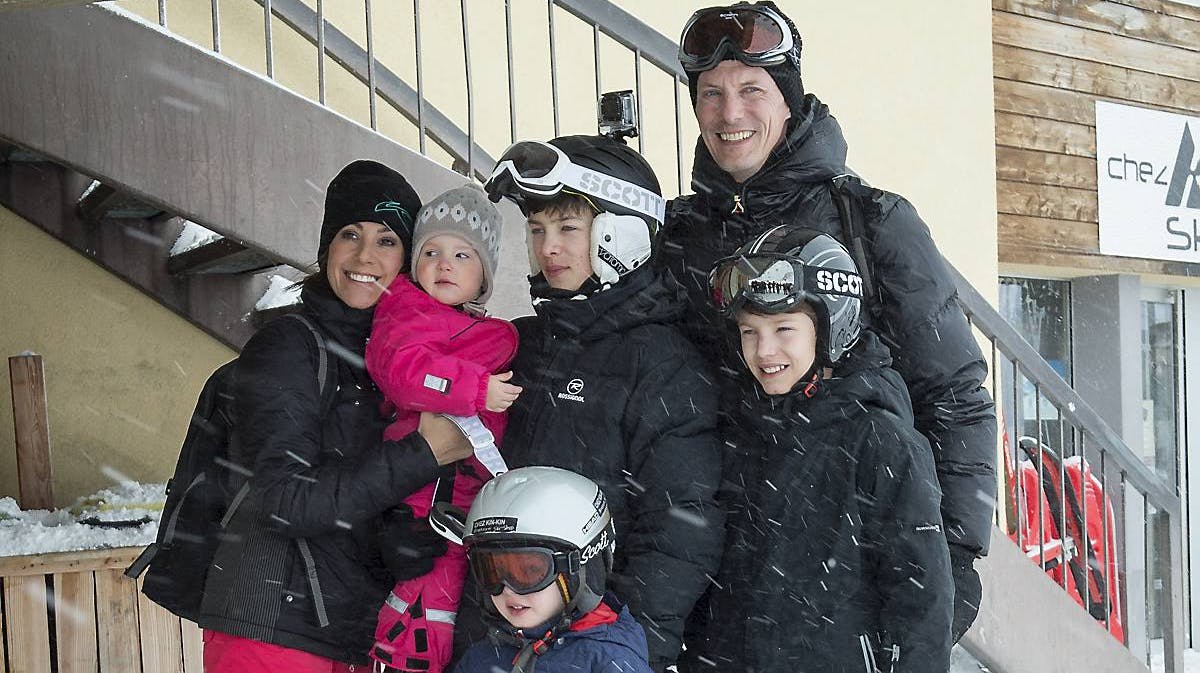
x,y
1148,182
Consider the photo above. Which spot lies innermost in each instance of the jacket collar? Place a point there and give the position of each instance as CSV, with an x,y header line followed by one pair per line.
x,y
813,151
349,327
644,296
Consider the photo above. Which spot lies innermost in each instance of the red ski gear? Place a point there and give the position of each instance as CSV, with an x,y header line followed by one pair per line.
x,y
226,653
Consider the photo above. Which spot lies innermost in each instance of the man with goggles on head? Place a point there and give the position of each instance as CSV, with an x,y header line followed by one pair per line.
x,y
612,389
836,557
769,152
541,543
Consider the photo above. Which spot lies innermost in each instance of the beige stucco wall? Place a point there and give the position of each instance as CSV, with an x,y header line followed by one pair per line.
x,y
911,84
122,372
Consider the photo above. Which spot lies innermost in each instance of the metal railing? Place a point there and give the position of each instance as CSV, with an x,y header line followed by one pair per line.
x,y
1062,421
467,152
1068,425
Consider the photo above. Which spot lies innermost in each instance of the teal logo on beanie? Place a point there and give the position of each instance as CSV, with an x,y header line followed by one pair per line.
x,y
397,208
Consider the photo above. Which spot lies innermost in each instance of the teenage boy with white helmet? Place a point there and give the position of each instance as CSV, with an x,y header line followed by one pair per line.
x,y
611,387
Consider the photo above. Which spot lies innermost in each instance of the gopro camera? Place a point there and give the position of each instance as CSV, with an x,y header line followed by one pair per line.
x,y
618,115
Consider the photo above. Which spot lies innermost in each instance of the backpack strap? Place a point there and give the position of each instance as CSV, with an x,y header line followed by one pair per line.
x,y
326,390
850,212
324,371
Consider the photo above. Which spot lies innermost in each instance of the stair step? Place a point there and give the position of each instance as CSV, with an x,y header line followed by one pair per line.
x,y
281,298
222,256
19,155
103,201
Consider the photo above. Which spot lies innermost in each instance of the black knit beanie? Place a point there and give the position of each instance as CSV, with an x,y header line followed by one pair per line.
x,y
368,191
786,74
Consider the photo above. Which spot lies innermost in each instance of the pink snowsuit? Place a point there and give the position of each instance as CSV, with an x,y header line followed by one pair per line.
x,y
426,356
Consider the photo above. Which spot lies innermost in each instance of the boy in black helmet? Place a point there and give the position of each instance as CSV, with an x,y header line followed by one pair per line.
x,y
612,389
835,558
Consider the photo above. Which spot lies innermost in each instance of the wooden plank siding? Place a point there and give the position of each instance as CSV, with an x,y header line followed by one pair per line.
x,y
75,622
28,638
97,622
1051,62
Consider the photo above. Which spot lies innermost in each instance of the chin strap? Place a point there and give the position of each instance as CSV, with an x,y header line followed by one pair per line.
x,y
528,650
814,377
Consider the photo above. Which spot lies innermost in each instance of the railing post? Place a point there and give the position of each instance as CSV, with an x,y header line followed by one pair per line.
x,y
34,475
1169,540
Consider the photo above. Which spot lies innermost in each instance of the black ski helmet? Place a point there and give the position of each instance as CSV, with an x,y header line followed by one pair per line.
x,y
614,158
790,265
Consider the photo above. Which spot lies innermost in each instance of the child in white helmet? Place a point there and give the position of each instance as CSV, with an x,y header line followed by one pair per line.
x,y
541,543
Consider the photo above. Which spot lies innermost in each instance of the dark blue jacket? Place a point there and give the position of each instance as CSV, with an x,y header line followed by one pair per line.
x,y
619,647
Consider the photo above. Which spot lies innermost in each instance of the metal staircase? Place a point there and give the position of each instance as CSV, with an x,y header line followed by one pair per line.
x,y
116,134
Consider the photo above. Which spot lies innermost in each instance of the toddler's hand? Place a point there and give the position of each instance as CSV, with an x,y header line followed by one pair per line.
x,y
501,395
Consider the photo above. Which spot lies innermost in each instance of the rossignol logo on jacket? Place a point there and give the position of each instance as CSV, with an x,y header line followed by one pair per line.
x,y
574,387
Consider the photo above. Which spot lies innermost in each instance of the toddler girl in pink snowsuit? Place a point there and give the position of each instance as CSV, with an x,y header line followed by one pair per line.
x,y
433,349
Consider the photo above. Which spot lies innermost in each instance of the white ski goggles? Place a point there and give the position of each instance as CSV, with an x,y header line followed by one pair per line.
x,y
532,168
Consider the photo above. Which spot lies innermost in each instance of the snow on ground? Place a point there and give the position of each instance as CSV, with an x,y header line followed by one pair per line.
x,y
39,531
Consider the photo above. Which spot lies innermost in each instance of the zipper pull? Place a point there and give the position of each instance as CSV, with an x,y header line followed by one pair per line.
x,y
737,205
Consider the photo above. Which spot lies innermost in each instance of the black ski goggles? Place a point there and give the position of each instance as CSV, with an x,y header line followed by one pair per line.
x,y
758,35
525,570
532,168
775,283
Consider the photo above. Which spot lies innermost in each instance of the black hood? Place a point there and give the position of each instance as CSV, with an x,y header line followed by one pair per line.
x,y
863,380
647,296
813,150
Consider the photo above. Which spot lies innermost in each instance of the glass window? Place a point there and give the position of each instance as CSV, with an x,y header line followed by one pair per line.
x,y
1041,311
1160,387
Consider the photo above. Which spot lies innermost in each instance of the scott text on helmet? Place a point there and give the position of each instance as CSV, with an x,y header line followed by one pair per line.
x,y
622,192
841,282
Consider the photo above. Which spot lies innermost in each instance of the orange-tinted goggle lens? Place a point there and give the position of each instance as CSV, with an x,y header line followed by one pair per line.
x,y
524,570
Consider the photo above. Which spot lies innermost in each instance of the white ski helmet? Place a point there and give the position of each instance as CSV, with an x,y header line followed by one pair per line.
x,y
558,524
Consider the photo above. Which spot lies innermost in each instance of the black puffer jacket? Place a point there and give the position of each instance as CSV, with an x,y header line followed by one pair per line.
x,y
613,391
834,543
916,312
323,481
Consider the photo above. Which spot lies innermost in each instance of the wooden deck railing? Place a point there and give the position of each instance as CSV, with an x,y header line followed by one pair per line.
x,y
77,609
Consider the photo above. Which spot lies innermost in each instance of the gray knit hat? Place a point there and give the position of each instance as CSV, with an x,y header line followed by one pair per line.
x,y
467,213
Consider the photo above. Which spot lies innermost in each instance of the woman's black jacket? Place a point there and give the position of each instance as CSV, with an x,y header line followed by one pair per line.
x,y
300,566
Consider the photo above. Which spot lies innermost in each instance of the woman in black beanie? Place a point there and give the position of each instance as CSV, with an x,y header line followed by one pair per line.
x,y
298,580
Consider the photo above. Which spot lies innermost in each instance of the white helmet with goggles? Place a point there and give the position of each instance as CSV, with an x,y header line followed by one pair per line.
x,y
613,178
533,527
786,266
